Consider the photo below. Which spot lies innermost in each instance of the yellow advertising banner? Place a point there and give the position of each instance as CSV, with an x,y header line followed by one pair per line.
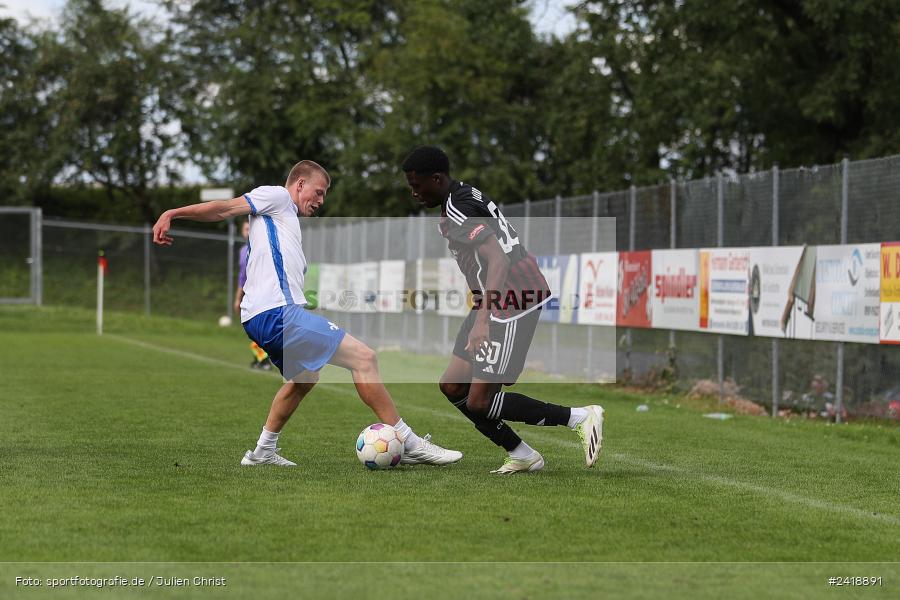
x,y
889,326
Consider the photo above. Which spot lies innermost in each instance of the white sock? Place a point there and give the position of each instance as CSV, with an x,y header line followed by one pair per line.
x,y
578,415
267,442
409,437
523,450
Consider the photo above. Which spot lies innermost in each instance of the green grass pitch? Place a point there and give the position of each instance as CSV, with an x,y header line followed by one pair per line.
x,y
121,453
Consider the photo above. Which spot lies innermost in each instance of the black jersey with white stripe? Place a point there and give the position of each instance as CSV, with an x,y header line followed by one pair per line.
x,y
468,218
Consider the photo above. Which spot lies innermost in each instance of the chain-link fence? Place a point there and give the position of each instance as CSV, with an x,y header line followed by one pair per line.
x,y
851,202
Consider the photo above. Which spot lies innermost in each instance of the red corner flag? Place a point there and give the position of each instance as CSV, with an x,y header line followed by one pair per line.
x,y
101,262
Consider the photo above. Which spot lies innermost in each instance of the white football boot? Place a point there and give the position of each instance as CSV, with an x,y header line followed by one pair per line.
x,y
532,462
429,454
591,433
250,459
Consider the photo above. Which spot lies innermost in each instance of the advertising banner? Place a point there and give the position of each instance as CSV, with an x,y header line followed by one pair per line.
x,y
362,283
453,292
391,275
333,287
724,275
775,275
561,273
427,281
676,297
597,290
847,294
889,317
633,281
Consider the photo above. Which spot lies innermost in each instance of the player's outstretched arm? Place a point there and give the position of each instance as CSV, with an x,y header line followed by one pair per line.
x,y
207,212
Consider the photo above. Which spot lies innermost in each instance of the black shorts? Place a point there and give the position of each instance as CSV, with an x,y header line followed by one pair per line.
x,y
510,342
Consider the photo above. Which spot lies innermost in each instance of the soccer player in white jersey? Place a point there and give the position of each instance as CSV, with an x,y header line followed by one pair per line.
x,y
299,343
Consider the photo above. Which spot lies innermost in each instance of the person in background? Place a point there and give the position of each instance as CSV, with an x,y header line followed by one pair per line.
x,y
260,356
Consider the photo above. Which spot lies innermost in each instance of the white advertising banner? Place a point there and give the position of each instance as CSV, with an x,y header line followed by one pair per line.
x,y
362,286
779,280
391,277
333,287
847,295
676,290
724,275
453,292
597,292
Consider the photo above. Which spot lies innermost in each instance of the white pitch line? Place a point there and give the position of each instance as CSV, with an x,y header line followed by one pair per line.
x,y
185,354
716,480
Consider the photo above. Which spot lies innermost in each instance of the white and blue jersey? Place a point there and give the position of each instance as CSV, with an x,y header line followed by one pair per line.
x,y
272,308
277,265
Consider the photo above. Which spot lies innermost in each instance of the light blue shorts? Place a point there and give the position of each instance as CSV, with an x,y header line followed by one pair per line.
x,y
295,339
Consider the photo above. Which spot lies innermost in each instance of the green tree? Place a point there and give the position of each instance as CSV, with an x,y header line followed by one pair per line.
x,y
21,115
462,75
706,85
105,83
356,85
271,82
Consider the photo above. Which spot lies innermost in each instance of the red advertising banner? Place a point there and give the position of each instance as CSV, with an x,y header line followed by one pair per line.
x,y
633,306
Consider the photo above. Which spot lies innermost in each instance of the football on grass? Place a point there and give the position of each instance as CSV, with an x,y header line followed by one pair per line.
x,y
378,447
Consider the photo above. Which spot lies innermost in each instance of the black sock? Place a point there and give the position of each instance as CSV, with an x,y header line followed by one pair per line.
x,y
511,406
495,430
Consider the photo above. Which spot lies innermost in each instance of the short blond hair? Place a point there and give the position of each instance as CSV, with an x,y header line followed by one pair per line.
x,y
306,169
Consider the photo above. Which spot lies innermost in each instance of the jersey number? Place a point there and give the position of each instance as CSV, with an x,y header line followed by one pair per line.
x,y
508,239
492,354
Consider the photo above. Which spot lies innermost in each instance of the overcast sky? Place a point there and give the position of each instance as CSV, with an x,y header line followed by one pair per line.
x,y
547,16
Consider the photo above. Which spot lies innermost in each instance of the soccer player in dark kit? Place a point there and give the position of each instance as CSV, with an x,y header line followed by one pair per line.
x,y
509,291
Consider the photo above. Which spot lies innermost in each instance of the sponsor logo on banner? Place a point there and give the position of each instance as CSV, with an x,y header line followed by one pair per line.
x,y
889,317
775,309
724,283
633,282
362,287
676,299
598,292
549,266
847,293
561,273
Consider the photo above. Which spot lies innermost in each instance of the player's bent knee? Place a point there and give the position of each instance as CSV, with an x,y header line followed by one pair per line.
x,y
477,406
304,384
368,356
453,390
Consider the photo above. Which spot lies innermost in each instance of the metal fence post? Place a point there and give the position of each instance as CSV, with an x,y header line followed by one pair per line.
x,y
37,254
845,192
363,256
230,308
672,236
776,372
147,234
720,240
632,203
554,331
385,255
415,264
420,321
527,229
595,208
364,240
323,233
